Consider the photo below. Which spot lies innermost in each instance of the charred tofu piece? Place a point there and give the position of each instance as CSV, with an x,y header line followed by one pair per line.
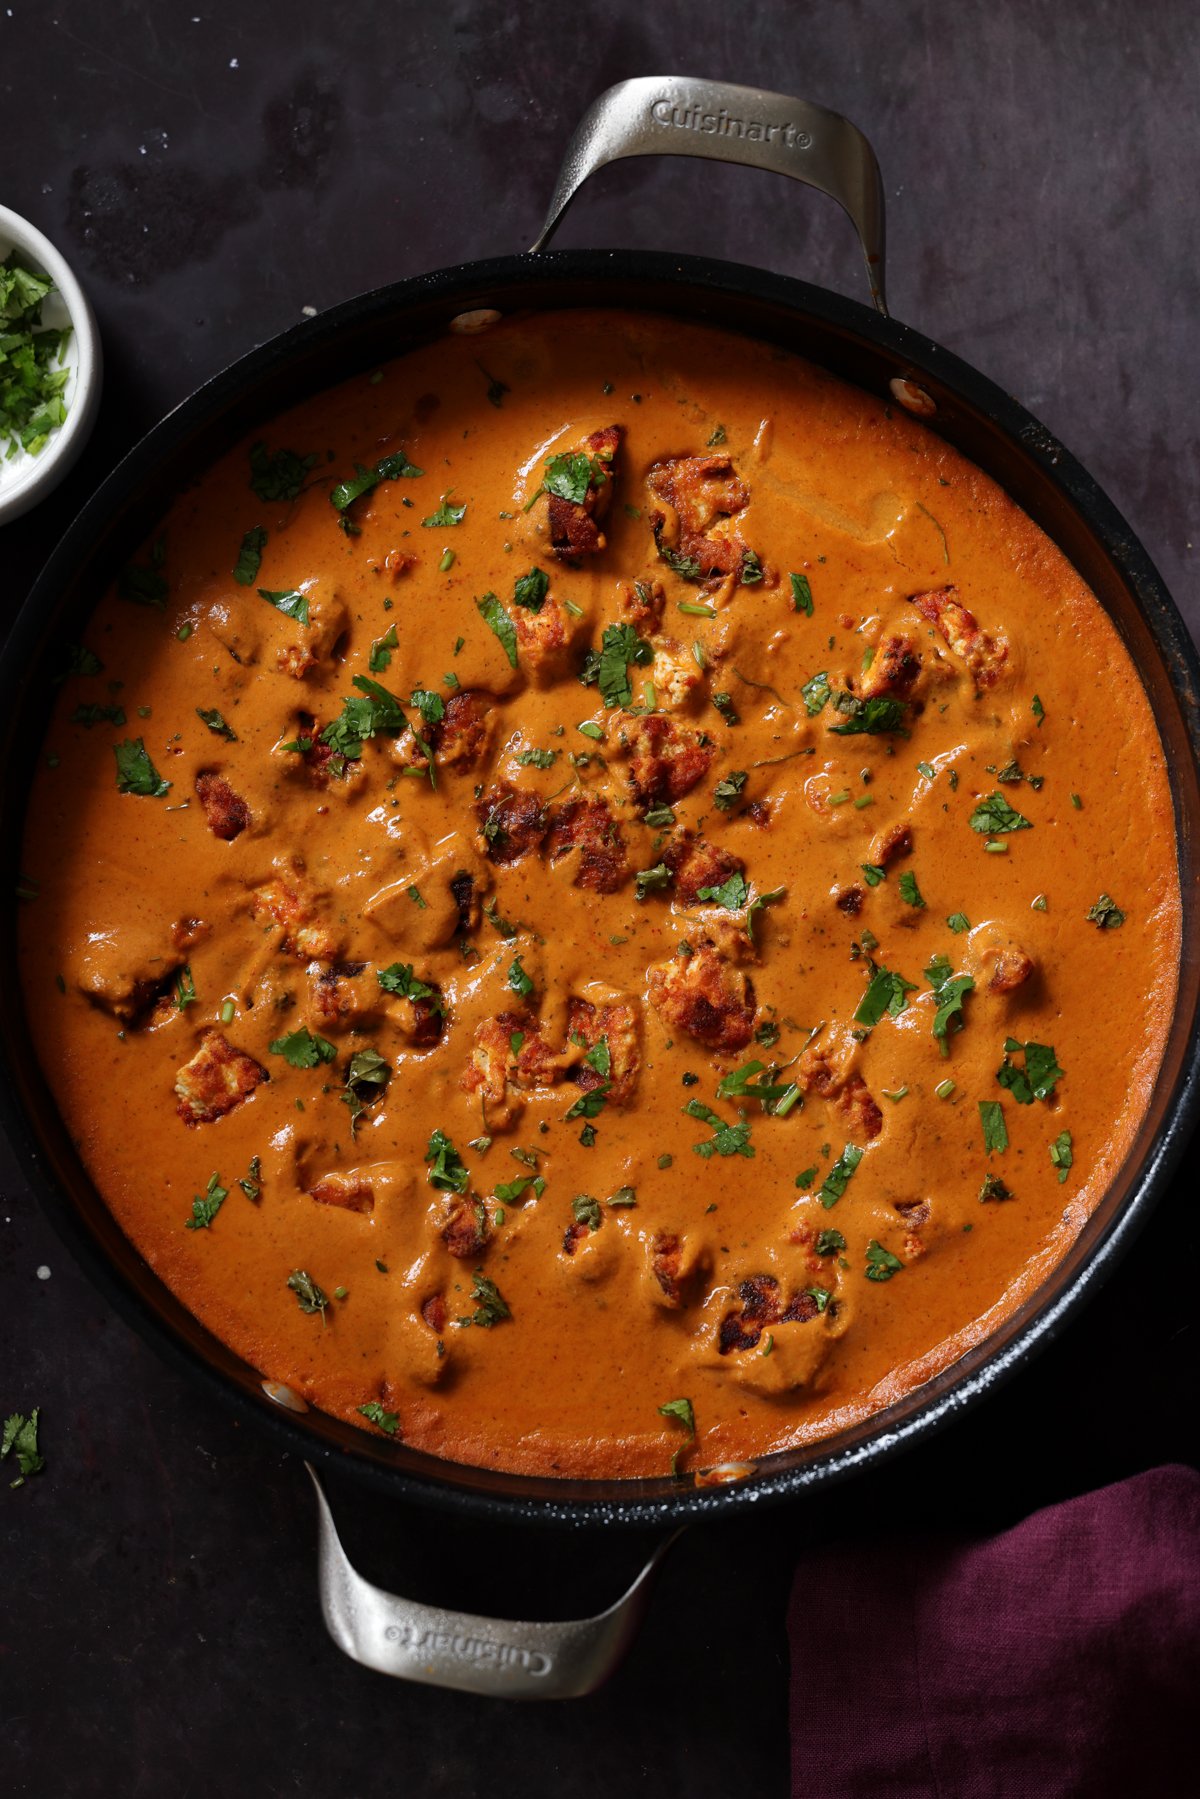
x,y
227,813
983,654
616,1025
315,644
352,1192
675,676
1003,964
706,995
345,996
465,1230
894,668
575,525
218,1078
126,970
464,891
512,822
509,1054
846,1092
692,498
587,827
462,734
762,1305
890,844
642,606
290,902
547,641
695,864
666,760
676,1267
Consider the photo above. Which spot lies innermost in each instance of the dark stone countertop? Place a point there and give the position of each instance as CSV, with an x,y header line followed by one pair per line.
x,y
209,174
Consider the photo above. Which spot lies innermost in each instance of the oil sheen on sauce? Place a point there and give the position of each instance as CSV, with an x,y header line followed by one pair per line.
x,y
778,1130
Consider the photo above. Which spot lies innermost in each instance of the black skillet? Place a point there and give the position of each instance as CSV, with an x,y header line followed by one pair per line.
x,y
650,116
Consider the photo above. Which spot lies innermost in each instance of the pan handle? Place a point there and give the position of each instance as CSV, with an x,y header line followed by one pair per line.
x,y
498,1658
680,115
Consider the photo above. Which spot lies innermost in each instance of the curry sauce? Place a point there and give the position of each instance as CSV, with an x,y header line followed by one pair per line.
x,y
591,904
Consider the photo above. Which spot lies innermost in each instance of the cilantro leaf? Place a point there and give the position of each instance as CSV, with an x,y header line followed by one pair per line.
x,y
216,724
205,1207
648,880
1038,1077
538,758
375,1414
399,979
301,1049
959,922
446,514
838,1178
816,693
758,904
586,1210
995,1131
727,1140
910,893
291,601
390,468
802,600
620,645
135,771
530,590
309,1296
994,816
881,1263
829,1243
490,1305
949,991
430,705
873,873
500,624
876,717
886,992
732,893
728,790
569,476
20,1438
1106,913
680,1412
519,981
246,568
1061,1154
279,476
380,658
446,1168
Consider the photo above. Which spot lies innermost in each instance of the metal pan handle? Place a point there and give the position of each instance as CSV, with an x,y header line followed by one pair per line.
x,y
502,1659
680,115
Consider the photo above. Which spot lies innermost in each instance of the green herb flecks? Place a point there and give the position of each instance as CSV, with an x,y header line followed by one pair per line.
x,y
380,658
301,1049
365,480
291,601
530,590
995,817
245,569
366,1080
608,667
446,515
1106,914
216,724
995,1131
309,1296
446,1168
949,991
887,993
680,1412
500,624
1062,1155
490,1305
32,374
910,893
727,1139
20,1438
135,771
1039,1076
728,790
732,893
802,600
879,716
278,475
205,1206
776,1097
375,1414
838,1178
881,1263
98,714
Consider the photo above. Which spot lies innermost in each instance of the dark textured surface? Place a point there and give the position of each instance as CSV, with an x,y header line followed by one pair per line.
x,y
208,175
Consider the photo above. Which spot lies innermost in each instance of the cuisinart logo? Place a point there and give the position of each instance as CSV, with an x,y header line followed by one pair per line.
x,y
469,1649
726,124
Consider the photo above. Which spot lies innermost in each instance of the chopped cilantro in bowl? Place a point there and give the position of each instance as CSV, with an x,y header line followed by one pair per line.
x,y
49,366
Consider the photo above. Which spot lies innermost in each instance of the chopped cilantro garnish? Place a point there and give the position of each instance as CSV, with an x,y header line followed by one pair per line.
x,y
185,988
949,990
569,476
995,1131
365,480
500,624
490,1305
873,873
829,1242
538,758
881,1263
586,1210
531,590
430,705
816,694
301,1049
728,790
206,1206
727,1140
246,568
135,771
994,815
838,1178
680,1412
751,570
1061,1154
278,476
1038,1077
620,645
381,651
20,1438
886,992
649,879
216,724
802,600
291,601
375,1414
95,713
959,922
31,387
309,1296
1038,710
445,515
446,1168
993,1188
732,893
518,980
876,717
910,893
1106,913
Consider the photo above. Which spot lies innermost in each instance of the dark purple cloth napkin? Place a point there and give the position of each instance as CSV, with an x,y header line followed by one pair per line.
x,y
1057,1661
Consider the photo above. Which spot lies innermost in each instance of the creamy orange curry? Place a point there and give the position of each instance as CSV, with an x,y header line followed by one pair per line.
x,y
603,900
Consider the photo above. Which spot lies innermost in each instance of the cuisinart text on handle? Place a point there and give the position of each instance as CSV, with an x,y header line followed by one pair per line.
x,y
469,1649
692,117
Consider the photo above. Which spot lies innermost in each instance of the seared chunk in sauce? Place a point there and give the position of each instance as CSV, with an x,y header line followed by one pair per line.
x,y
218,1078
984,655
575,524
227,813
692,497
666,760
707,995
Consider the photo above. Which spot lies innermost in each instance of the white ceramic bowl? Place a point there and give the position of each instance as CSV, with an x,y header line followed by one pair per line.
x,y
24,479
